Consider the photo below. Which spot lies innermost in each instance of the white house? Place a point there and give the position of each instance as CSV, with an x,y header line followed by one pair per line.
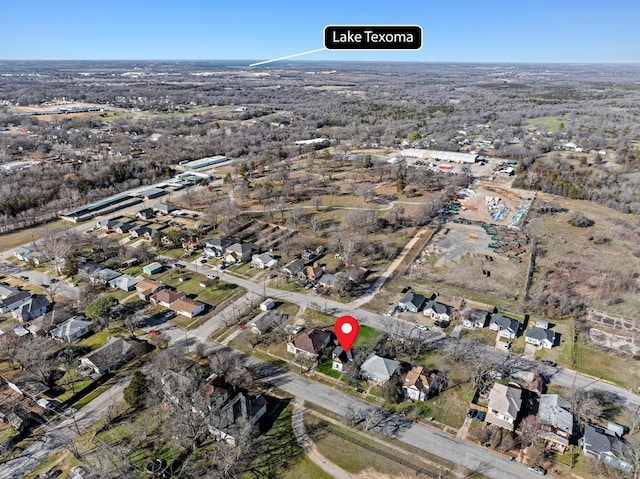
x,y
34,306
339,358
379,369
72,329
436,310
416,384
187,307
506,327
540,337
504,405
475,318
263,261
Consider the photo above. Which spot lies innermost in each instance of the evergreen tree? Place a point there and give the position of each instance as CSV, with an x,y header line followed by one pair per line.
x,y
135,394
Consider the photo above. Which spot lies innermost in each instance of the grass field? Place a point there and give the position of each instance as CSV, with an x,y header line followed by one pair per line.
x,y
551,123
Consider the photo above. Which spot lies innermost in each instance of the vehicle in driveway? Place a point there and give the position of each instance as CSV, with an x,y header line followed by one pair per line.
x,y
24,278
507,345
422,328
154,332
169,315
546,362
480,416
472,413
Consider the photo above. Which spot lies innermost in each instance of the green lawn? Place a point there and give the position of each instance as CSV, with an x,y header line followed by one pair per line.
x,y
98,339
305,469
367,338
551,123
325,368
213,295
279,438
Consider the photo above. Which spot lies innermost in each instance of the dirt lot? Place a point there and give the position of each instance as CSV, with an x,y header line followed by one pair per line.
x,y
459,254
511,200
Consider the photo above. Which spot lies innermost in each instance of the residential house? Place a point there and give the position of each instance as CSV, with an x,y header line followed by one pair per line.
x,y
35,306
147,288
293,268
267,322
540,337
14,301
267,304
339,358
412,301
23,253
416,384
240,252
125,282
146,214
379,369
475,318
230,421
163,208
264,261
308,255
505,402
556,422
103,275
603,445
506,327
167,297
107,225
185,306
152,268
310,342
217,247
123,228
6,290
141,232
114,353
312,273
328,280
129,263
437,310
72,329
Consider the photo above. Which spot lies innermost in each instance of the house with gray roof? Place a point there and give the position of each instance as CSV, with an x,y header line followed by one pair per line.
x,y
556,422
412,301
505,402
437,310
23,253
475,318
6,290
379,369
152,268
72,329
35,306
103,276
263,261
114,353
125,282
506,327
14,301
603,445
293,267
540,337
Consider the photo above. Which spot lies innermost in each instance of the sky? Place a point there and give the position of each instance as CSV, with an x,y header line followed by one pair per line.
x,y
564,31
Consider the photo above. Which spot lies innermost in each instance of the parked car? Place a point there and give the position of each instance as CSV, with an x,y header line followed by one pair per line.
x,y
507,345
422,327
405,289
472,413
154,332
271,276
480,416
538,469
546,362
169,315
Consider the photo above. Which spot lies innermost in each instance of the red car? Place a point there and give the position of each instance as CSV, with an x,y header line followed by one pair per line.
x,y
153,332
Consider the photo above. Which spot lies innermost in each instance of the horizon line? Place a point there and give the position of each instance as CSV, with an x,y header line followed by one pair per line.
x,y
489,62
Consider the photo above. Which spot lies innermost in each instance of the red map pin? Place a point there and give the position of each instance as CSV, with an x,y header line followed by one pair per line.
x,y
346,329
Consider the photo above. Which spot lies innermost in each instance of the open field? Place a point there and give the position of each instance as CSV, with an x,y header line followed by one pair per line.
x,y
596,265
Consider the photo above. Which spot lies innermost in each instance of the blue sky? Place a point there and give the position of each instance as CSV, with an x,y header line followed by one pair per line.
x,y
466,31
